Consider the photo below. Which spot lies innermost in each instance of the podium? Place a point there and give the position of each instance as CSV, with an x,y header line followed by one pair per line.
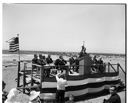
x,y
85,65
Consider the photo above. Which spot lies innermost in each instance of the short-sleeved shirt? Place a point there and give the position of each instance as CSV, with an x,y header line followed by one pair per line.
x,y
61,83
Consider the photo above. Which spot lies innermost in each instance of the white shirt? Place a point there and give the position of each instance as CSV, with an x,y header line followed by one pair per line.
x,y
61,83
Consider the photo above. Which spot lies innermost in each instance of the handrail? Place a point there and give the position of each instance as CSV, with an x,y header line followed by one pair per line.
x,y
29,87
112,66
54,65
42,75
121,68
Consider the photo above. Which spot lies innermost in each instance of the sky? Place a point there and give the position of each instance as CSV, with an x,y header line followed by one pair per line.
x,y
64,27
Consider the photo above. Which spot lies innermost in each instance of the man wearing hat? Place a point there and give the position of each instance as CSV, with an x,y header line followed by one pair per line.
x,y
114,98
34,96
61,83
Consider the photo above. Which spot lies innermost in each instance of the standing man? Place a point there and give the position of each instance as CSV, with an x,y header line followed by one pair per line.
x,y
114,98
61,83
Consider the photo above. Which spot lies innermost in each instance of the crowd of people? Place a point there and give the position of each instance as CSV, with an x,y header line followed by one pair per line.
x,y
42,60
98,66
59,64
16,96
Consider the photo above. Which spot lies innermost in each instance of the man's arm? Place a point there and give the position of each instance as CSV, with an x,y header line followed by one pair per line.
x,y
57,78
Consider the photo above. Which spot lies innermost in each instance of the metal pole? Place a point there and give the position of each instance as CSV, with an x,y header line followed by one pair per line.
x,y
18,78
19,46
18,81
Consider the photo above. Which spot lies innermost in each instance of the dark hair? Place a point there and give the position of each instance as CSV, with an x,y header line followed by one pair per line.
x,y
35,55
63,76
3,83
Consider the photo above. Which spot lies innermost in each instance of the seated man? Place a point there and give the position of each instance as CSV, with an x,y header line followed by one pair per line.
x,y
71,61
76,64
95,64
42,62
49,61
60,63
101,67
35,61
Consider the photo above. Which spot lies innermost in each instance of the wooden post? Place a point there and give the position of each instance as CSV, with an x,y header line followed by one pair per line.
x,y
41,80
24,78
84,67
18,75
32,76
41,76
108,67
112,67
122,69
118,67
67,71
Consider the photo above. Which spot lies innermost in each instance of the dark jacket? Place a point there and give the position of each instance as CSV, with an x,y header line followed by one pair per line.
x,y
60,62
115,98
41,62
49,60
71,60
35,61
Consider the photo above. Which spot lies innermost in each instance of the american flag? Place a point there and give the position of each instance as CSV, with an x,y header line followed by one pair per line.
x,y
14,45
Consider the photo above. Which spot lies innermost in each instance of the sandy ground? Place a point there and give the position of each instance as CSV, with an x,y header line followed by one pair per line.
x,y
100,99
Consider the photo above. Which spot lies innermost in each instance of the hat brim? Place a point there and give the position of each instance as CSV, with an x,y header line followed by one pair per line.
x,y
34,96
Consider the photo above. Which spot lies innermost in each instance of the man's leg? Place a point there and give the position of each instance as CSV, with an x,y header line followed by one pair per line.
x,y
62,94
57,96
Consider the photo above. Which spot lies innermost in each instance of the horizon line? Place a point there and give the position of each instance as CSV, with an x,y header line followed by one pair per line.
x,y
66,51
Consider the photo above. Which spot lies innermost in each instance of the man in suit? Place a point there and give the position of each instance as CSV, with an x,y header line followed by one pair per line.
x,y
60,63
114,98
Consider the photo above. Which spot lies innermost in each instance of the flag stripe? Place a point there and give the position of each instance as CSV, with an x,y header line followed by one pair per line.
x,y
14,45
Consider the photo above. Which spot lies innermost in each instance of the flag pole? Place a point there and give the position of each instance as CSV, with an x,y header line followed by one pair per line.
x,y
83,43
19,47
18,74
